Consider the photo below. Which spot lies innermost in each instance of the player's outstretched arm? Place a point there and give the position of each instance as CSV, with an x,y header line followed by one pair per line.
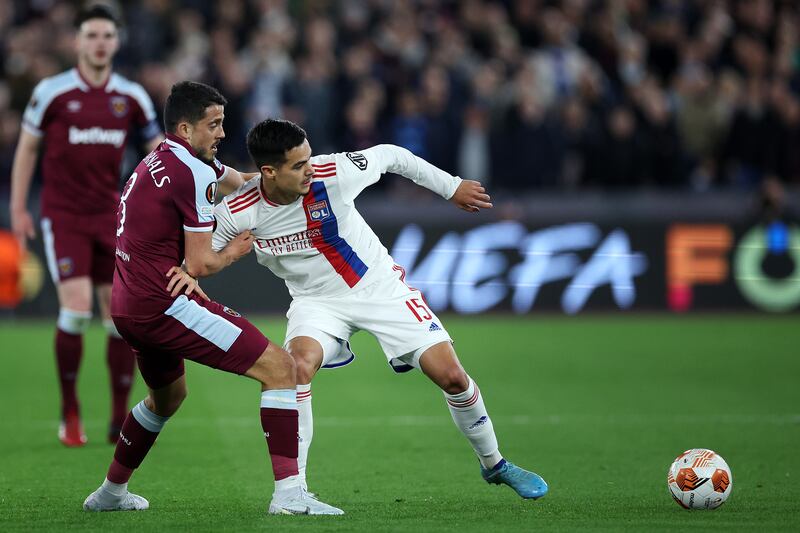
x,y
471,196
202,261
21,175
398,160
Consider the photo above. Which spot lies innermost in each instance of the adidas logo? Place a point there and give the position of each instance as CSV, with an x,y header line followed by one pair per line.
x,y
434,327
481,421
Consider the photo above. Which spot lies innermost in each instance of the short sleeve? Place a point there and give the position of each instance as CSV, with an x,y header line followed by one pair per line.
x,y
195,200
34,117
220,170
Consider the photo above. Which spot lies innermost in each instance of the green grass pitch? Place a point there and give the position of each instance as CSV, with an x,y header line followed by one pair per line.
x,y
598,405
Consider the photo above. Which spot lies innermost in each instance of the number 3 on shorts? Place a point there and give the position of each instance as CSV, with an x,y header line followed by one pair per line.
x,y
414,304
122,208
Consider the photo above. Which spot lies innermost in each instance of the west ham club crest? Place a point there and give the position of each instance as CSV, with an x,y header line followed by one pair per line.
x,y
119,106
65,266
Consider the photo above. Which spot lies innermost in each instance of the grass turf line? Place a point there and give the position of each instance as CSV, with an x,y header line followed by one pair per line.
x,y
598,405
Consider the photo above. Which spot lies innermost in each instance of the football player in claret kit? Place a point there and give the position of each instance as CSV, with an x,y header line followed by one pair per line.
x,y
80,121
342,280
166,216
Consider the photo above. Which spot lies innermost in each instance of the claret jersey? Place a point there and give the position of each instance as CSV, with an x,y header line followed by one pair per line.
x,y
171,191
319,244
85,130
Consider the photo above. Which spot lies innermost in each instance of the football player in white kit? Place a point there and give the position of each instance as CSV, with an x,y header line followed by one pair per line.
x,y
342,280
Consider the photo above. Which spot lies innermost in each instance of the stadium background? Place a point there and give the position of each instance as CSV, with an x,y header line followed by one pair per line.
x,y
634,116
643,159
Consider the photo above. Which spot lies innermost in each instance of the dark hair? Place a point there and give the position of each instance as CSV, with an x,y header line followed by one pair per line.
x,y
269,140
188,101
96,11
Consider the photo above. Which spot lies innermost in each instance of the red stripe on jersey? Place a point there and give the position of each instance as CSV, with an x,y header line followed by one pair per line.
x,y
324,174
243,198
403,279
402,272
325,166
242,207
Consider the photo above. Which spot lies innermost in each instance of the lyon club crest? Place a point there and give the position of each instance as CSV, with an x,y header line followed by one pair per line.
x,y
319,211
119,106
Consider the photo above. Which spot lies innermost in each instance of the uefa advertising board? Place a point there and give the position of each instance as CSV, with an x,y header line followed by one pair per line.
x,y
579,266
473,265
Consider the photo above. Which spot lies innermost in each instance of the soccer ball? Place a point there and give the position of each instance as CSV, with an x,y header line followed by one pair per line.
x,y
699,479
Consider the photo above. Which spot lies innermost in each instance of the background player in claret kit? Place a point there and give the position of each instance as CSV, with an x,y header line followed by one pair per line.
x,y
165,217
82,117
308,232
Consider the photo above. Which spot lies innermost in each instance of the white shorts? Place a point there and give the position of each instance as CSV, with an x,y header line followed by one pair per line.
x,y
394,313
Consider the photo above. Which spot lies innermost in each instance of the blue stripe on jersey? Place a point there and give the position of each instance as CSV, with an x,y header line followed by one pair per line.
x,y
330,233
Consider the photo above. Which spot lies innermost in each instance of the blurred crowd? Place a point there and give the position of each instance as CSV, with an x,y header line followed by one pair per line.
x,y
522,94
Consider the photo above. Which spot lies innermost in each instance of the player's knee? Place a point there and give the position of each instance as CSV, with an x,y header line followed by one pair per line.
x,y
73,322
275,368
307,364
454,380
168,404
179,397
284,367
75,296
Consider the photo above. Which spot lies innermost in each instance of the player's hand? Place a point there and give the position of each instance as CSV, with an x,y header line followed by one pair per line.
x,y
22,226
471,196
181,281
240,246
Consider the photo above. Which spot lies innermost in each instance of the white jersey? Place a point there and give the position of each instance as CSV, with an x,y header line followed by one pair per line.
x,y
319,244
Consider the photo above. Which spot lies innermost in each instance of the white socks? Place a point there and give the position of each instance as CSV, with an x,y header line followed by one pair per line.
x,y
147,418
470,416
112,492
467,408
305,429
286,485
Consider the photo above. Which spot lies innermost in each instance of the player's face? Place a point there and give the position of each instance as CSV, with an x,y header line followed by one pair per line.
x,y
294,176
97,42
206,134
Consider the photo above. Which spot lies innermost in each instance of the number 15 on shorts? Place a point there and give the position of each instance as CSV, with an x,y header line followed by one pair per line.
x,y
418,309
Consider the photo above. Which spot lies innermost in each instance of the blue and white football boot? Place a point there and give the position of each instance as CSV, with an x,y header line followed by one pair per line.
x,y
526,484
